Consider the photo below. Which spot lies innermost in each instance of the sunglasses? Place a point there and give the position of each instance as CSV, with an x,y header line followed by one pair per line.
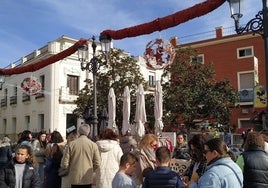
x,y
206,151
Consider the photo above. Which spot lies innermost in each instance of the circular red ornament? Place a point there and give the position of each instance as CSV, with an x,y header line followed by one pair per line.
x,y
31,86
159,53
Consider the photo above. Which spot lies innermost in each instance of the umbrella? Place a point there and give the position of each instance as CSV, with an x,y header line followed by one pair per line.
x,y
140,114
126,110
111,109
158,108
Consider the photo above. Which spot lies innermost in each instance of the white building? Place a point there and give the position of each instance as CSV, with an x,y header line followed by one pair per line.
x,y
51,109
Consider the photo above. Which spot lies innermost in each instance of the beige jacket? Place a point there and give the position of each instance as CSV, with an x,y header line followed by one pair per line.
x,y
82,158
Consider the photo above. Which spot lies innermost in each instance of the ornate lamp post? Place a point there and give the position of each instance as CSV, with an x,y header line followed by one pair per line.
x,y
93,65
259,25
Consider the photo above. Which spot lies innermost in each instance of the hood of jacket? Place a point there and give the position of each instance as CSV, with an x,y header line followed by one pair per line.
x,y
106,145
222,161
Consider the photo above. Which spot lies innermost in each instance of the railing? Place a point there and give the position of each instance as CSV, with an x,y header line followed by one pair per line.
x,y
13,100
25,97
3,102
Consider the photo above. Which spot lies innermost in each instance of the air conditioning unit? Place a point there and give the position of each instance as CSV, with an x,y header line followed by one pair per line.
x,y
246,95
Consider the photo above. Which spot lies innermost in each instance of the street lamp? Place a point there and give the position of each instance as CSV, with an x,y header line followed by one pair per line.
x,y
259,24
93,65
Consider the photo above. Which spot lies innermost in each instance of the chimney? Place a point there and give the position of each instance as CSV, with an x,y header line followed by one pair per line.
x,y
218,32
174,41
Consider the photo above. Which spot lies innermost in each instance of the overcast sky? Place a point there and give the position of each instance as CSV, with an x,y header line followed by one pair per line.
x,y
27,25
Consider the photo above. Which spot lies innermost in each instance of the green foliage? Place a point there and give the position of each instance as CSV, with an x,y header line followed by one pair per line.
x,y
120,71
193,93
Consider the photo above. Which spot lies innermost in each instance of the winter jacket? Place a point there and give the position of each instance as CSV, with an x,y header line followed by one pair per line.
x,y
222,173
39,151
144,165
82,158
110,152
30,176
5,154
255,168
162,177
128,143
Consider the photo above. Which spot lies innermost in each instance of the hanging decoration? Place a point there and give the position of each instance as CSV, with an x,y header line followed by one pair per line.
x,y
159,53
31,85
43,63
160,24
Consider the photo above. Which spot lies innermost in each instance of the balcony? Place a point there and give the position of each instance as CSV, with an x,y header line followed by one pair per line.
x,y
4,102
40,95
13,100
65,96
246,95
26,97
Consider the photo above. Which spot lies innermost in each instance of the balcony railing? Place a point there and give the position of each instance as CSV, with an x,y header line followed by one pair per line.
x,y
65,95
40,95
26,97
246,95
13,100
4,102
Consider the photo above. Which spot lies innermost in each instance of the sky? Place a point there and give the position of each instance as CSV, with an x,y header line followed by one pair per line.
x,y
27,25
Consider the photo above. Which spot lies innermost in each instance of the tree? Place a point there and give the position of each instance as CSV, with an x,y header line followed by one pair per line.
x,y
192,92
120,71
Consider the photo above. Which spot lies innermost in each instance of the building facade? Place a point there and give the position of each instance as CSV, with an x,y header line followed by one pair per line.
x,y
239,58
51,109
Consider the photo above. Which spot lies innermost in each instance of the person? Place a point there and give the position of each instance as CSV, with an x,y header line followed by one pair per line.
x,y
22,171
62,171
25,138
254,161
146,157
5,152
122,178
162,176
54,152
180,150
82,159
39,147
221,171
198,160
128,143
110,152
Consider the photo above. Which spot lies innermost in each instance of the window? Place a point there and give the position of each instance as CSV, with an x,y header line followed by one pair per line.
x,y
151,79
73,84
27,122
246,80
198,58
41,123
42,81
245,85
244,52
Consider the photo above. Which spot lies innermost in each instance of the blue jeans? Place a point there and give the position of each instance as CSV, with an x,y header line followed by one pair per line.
x,y
41,173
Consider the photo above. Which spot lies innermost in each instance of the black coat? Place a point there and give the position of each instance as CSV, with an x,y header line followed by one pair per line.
x,y
162,177
255,168
30,176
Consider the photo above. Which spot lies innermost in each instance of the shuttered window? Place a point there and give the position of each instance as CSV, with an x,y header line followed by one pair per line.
x,y
73,84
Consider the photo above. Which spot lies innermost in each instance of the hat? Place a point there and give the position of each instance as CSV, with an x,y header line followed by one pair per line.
x,y
84,129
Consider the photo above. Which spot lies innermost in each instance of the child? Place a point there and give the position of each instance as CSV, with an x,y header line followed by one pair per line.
x,y
22,171
122,178
162,176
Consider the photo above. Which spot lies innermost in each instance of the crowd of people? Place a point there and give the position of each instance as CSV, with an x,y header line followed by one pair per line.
x,y
114,161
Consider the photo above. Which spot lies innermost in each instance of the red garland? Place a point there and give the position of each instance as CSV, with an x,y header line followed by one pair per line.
x,y
43,63
165,22
146,28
